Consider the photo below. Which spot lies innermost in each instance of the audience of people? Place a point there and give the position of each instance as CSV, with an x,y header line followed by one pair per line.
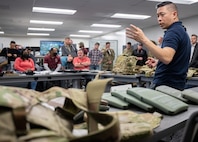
x,y
22,60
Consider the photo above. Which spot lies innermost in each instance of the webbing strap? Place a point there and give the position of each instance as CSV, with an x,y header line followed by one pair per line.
x,y
19,118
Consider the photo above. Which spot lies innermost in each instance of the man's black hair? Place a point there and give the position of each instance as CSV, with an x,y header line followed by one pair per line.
x,y
163,4
13,42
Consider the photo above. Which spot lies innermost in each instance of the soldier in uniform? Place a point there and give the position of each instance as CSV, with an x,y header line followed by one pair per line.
x,y
108,57
128,50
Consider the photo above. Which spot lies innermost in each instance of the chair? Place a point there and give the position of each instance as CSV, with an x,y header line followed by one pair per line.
x,y
63,61
191,129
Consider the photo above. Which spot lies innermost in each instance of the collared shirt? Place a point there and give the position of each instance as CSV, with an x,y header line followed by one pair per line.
x,y
52,61
95,56
174,74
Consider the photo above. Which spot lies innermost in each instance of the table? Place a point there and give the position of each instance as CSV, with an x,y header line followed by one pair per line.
x,y
19,78
169,124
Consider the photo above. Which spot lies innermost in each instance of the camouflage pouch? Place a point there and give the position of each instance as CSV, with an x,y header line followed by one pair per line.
x,y
192,72
23,118
125,65
148,72
24,115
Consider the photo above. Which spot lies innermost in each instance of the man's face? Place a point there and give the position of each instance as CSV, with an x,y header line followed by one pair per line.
x,y
67,41
165,16
80,53
96,46
108,46
193,39
54,52
139,46
128,46
12,45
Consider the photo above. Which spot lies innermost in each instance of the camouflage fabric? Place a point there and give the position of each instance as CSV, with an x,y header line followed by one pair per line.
x,y
125,65
148,72
25,117
127,52
133,126
106,58
192,72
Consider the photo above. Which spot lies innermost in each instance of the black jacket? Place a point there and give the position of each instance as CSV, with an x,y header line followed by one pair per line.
x,y
194,60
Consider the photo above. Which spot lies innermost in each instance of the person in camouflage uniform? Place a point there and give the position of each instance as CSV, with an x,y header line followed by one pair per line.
x,y
128,50
108,58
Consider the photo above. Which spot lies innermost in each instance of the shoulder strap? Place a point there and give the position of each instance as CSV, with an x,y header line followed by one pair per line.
x,y
19,118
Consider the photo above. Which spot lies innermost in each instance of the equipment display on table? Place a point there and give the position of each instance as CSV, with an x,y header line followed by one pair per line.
x,y
25,115
159,100
114,101
172,92
122,94
190,95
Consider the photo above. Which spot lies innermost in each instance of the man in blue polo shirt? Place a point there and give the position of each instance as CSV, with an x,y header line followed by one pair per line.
x,y
174,54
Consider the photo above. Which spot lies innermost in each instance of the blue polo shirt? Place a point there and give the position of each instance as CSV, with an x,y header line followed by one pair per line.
x,y
174,74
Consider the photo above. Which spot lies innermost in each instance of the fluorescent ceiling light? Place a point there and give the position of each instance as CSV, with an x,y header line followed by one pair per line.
x,y
86,31
179,1
53,10
105,25
46,22
79,35
41,29
39,34
130,16
1,32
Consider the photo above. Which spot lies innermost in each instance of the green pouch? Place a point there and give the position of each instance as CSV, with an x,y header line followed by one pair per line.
x,y
171,91
190,95
122,94
114,101
161,101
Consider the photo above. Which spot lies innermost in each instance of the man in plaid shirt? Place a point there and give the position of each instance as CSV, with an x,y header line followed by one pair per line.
x,y
95,56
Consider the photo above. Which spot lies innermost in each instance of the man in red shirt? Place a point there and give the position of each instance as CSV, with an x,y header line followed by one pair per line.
x,y
81,62
52,61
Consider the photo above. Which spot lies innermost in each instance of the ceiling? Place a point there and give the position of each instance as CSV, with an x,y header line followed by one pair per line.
x,y
15,15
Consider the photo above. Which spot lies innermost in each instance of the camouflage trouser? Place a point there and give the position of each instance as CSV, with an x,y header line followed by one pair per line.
x,y
106,67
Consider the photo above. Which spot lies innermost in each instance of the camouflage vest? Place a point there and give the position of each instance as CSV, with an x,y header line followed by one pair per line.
x,y
192,72
125,65
24,116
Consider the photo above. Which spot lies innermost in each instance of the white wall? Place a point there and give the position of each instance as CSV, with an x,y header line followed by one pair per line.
x,y
33,41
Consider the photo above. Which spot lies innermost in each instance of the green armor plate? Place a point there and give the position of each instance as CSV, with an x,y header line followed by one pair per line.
x,y
159,100
122,94
114,101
